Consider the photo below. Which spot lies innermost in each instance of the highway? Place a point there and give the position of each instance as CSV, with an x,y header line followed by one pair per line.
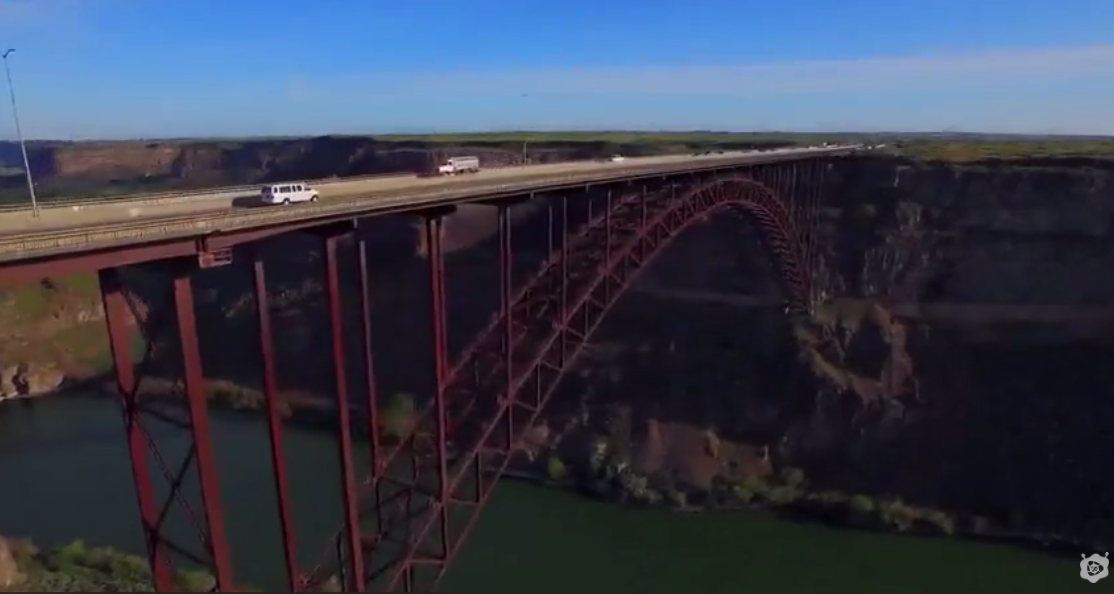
x,y
213,201
78,228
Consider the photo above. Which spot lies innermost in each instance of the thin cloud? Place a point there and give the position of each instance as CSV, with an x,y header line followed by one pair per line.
x,y
23,12
984,69
35,18
15,12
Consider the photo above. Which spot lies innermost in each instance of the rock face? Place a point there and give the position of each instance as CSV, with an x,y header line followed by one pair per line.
x,y
25,380
1010,233
10,574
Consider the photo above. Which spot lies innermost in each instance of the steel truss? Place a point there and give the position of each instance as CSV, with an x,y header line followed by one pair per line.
x,y
427,491
175,318
407,520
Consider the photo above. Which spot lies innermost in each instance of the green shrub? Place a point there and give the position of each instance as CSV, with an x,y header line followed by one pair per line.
x,y
194,580
862,504
756,485
556,469
792,477
676,498
783,495
897,514
830,498
397,416
743,493
942,521
67,557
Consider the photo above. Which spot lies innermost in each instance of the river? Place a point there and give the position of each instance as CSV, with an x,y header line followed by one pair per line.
x,y
67,476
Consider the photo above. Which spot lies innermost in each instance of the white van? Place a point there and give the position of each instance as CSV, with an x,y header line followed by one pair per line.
x,y
287,193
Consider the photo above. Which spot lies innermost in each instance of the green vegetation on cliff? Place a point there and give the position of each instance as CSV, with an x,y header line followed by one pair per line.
x,y
976,149
75,567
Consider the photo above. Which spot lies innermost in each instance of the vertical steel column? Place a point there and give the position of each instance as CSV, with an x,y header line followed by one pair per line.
x,y
607,250
274,424
356,576
116,318
564,280
194,379
440,369
369,373
549,281
793,181
643,217
506,280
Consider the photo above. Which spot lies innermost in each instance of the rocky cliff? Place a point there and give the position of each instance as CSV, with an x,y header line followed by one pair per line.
x,y
1008,232
992,277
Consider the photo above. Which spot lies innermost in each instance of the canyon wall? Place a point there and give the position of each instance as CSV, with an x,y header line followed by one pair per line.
x,y
1026,232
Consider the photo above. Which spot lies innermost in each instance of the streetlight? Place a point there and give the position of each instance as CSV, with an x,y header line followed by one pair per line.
x,y
19,134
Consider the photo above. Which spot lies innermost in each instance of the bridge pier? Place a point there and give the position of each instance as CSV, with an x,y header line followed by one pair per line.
x,y
142,445
274,422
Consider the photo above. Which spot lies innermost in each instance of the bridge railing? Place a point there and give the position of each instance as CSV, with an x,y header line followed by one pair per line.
x,y
45,242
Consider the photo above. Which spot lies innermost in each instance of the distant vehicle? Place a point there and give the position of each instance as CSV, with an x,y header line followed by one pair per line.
x,y
616,158
459,165
288,193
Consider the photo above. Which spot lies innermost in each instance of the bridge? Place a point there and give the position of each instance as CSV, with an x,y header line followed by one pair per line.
x,y
407,517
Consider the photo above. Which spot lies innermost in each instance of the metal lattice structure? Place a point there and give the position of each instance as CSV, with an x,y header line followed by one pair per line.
x,y
404,523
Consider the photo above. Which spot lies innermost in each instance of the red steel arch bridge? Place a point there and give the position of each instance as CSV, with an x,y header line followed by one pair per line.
x,y
410,513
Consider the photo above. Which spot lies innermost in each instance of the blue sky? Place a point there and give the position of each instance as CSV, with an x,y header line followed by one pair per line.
x,y
164,68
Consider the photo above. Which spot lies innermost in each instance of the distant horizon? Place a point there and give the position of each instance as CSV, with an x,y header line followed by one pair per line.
x,y
569,132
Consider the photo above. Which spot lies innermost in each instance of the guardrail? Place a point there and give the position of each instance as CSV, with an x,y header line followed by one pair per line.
x,y
211,193
44,243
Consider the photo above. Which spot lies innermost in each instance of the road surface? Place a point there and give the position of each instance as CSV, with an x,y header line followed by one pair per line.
x,y
203,203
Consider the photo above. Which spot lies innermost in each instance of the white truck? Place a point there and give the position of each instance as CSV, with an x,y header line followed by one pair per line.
x,y
458,165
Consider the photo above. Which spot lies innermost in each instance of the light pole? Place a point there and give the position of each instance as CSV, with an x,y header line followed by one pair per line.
x,y
19,134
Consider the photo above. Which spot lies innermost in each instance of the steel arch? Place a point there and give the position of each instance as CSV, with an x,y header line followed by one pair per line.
x,y
546,331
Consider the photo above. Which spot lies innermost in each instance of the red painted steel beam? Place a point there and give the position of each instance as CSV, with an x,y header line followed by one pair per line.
x,y
441,364
355,574
194,379
32,271
623,265
377,469
274,425
116,318
771,213
506,283
71,263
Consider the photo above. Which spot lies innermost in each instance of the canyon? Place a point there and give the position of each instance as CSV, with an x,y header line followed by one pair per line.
x,y
974,259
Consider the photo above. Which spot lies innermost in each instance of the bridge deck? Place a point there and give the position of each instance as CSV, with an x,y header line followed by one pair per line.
x,y
66,232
